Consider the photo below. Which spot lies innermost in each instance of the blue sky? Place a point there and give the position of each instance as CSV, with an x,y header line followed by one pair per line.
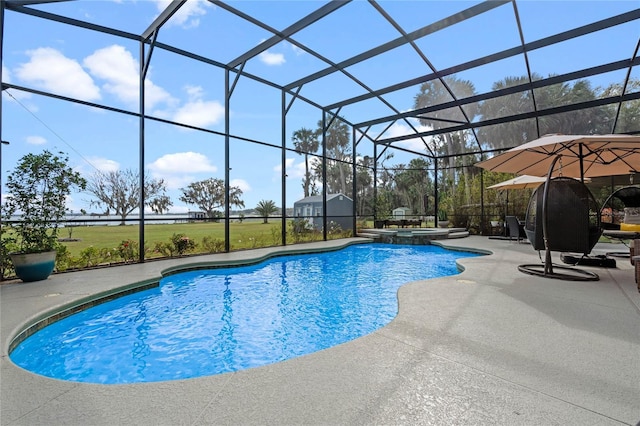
x,y
100,68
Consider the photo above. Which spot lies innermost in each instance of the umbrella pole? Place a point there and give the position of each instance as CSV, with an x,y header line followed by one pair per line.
x,y
548,266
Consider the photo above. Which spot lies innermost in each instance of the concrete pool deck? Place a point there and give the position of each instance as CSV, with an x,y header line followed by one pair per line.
x,y
488,346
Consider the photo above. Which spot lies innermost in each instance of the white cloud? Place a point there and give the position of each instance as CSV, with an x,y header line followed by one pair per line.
x,y
120,71
49,69
269,58
35,140
188,16
18,94
194,92
415,144
104,164
240,183
182,162
294,170
6,75
198,112
178,170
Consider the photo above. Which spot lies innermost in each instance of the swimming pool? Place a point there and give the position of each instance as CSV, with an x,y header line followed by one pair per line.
x,y
207,322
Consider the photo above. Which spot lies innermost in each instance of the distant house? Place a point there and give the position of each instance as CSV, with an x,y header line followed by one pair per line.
x,y
401,212
195,216
339,210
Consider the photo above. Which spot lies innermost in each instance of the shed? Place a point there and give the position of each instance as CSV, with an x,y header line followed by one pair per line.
x,y
339,210
401,212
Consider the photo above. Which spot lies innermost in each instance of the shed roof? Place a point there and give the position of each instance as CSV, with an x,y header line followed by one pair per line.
x,y
318,198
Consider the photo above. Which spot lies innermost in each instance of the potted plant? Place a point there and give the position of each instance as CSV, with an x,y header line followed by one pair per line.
x,y
443,219
38,188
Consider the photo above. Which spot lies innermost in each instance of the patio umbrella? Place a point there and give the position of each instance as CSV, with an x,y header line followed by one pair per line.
x,y
580,155
574,155
522,182
519,182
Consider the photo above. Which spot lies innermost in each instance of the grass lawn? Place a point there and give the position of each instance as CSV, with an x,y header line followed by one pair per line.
x,y
242,235
88,246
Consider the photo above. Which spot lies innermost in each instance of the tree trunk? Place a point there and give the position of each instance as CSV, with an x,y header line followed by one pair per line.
x,y
307,178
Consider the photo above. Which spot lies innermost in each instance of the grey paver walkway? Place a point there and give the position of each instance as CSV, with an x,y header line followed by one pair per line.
x,y
488,346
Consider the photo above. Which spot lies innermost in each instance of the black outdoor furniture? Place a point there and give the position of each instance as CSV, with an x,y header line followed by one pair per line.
x,y
562,216
515,228
612,214
402,223
612,211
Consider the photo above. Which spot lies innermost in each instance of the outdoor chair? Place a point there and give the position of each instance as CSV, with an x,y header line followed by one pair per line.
x,y
620,216
620,207
516,229
563,218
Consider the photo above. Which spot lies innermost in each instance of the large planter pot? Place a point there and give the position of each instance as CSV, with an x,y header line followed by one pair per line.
x,y
443,223
33,266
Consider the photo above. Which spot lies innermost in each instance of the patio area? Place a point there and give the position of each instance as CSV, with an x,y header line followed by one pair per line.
x,y
488,346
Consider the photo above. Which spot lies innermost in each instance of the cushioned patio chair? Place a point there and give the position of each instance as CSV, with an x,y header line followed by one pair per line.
x,y
620,215
617,209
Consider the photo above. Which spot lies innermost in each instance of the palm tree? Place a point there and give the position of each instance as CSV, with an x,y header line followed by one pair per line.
x,y
511,134
306,141
338,144
451,144
265,208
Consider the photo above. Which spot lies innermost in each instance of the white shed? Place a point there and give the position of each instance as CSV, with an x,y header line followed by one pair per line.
x,y
401,212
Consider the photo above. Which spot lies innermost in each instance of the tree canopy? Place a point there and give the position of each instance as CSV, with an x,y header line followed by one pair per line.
x,y
120,191
265,208
38,189
459,183
208,195
306,142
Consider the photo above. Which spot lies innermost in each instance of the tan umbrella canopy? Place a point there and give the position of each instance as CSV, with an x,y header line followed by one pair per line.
x,y
519,182
580,155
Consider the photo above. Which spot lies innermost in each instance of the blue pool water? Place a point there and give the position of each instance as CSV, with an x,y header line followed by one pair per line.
x,y
208,322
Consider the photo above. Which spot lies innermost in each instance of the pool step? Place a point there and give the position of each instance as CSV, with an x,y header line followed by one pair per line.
x,y
459,234
368,235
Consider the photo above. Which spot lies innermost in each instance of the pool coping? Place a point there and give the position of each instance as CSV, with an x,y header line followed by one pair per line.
x,y
63,311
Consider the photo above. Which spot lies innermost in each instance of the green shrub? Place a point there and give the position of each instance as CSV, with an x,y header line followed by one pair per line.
x,y
299,227
93,256
182,244
128,250
163,249
334,228
64,260
212,245
276,234
7,245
